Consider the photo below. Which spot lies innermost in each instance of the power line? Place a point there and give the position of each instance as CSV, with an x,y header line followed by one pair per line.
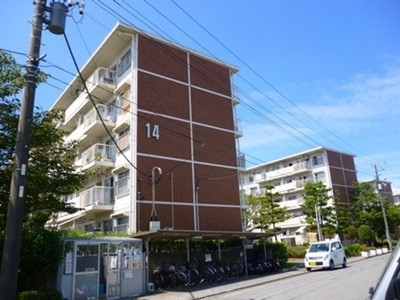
x,y
268,83
98,113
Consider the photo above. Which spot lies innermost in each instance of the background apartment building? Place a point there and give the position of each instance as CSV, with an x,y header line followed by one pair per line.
x,y
289,175
160,140
383,188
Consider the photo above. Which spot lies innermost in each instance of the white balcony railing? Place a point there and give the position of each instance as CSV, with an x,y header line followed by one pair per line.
x,y
241,160
238,130
98,195
94,115
98,153
103,79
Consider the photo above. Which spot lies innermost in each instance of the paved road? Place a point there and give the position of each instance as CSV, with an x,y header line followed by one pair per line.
x,y
235,289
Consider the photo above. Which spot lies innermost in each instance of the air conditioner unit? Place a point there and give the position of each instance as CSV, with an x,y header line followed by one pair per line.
x,y
108,77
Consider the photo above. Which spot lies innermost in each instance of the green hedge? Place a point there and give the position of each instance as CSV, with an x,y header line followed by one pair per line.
x,y
43,294
352,250
297,252
355,249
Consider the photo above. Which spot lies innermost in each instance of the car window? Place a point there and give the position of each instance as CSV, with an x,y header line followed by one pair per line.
x,y
336,246
323,247
393,290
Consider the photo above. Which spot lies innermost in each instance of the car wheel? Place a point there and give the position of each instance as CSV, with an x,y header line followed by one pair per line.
x,y
308,269
344,265
331,265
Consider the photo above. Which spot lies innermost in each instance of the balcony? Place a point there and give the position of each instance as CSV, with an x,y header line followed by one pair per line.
x,y
290,170
290,187
97,156
241,161
92,121
97,199
101,83
80,105
238,130
235,91
292,204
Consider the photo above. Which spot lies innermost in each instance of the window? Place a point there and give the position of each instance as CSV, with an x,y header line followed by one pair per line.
x,y
122,221
89,228
132,256
317,160
320,176
123,138
122,184
254,191
122,225
125,63
122,103
108,226
251,177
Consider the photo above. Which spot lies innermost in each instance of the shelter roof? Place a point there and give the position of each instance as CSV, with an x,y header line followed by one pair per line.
x,y
191,234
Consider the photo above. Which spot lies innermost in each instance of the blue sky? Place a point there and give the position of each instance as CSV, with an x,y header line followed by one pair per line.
x,y
312,73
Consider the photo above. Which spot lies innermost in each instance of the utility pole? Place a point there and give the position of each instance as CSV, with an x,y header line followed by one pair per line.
x,y
12,243
378,188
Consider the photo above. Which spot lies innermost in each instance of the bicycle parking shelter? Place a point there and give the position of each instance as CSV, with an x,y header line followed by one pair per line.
x,y
196,235
102,268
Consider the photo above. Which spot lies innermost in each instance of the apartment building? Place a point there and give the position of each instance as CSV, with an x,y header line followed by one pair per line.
x,y
383,188
156,126
289,175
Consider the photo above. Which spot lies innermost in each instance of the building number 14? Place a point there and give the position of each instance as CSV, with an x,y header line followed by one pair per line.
x,y
152,131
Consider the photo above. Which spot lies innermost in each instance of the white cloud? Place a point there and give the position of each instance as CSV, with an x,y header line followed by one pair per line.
x,y
363,111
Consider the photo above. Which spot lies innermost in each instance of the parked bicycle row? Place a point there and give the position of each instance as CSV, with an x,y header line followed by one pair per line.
x,y
171,276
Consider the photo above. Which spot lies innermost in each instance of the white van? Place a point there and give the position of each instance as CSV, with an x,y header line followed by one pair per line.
x,y
326,254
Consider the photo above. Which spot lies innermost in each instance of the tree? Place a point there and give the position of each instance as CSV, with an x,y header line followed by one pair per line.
x,y
264,212
51,171
316,208
51,174
341,217
366,234
368,210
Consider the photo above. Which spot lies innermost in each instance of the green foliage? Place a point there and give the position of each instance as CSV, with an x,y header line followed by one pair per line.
x,y
367,208
43,294
264,211
342,217
297,251
354,250
11,78
51,171
366,234
352,232
168,245
41,253
51,174
315,201
279,250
